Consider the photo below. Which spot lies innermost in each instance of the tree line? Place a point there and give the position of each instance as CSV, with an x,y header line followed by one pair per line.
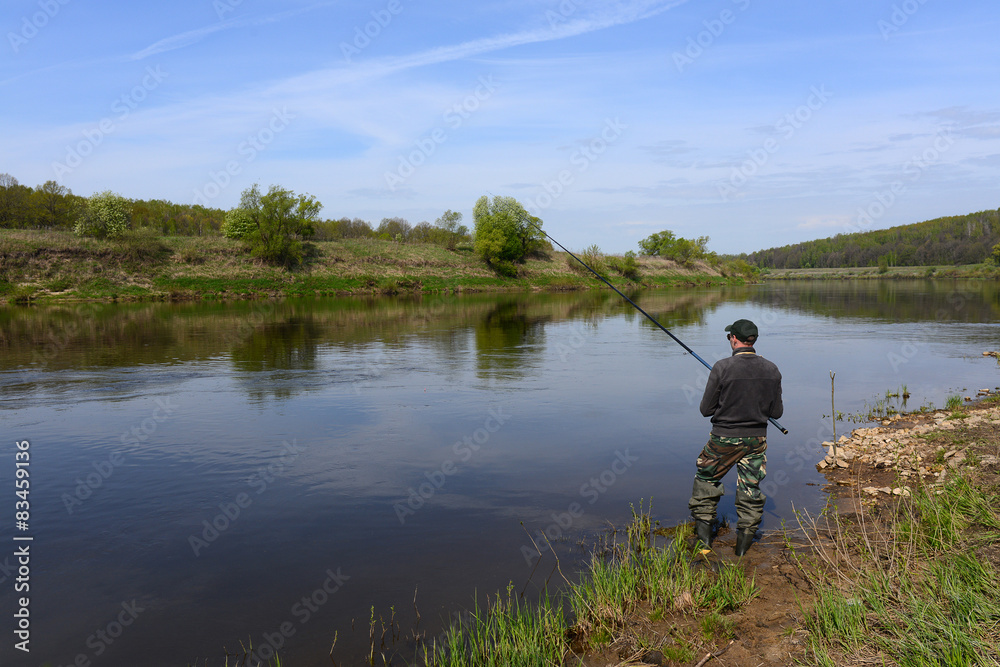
x,y
53,206
951,240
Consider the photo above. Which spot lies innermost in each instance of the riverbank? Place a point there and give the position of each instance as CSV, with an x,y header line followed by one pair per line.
x,y
966,272
900,569
58,266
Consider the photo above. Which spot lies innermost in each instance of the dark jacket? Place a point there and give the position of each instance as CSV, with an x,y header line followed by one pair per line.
x,y
743,391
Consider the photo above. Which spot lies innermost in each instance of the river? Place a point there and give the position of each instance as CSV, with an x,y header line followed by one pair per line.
x,y
209,474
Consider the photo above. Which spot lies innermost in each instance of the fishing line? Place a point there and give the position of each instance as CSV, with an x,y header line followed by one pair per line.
x,y
648,316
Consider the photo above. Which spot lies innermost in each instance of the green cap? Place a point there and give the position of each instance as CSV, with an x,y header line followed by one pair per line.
x,y
743,329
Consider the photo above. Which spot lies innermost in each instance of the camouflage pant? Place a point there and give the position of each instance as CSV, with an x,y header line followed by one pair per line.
x,y
716,459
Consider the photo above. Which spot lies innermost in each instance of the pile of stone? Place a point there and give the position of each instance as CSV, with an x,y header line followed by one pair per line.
x,y
891,447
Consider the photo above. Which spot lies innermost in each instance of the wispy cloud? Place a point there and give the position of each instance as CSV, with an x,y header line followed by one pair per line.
x,y
183,39
171,43
620,14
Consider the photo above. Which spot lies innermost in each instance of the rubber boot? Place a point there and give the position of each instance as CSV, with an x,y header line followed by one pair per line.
x,y
749,510
704,499
743,542
703,532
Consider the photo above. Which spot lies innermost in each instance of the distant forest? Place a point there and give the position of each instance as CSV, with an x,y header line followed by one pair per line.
x,y
953,240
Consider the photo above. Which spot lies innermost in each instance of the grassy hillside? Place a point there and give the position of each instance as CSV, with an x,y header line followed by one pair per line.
x,y
46,265
948,241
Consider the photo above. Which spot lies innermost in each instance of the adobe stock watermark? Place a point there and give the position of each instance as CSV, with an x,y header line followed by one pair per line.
x,y
454,117
32,25
122,108
581,158
102,638
230,511
365,35
591,490
90,483
570,344
714,28
302,611
247,150
464,449
786,127
223,7
566,9
912,170
901,13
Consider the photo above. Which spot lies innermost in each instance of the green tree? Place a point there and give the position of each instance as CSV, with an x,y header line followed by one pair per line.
x,y
281,220
655,243
995,254
394,228
106,215
504,231
54,205
450,223
15,203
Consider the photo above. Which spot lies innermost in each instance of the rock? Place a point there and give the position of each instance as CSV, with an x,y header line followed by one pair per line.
x,y
822,464
902,491
871,490
886,490
843,464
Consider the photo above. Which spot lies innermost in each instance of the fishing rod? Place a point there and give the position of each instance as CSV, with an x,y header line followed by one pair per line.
x,y
648,316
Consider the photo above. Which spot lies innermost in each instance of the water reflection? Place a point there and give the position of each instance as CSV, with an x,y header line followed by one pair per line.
x,y
507,338
886,301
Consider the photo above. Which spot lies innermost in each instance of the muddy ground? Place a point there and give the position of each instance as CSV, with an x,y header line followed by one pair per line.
x,y
873,470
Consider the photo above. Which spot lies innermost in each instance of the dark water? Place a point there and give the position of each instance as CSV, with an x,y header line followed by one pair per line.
x,y
209,474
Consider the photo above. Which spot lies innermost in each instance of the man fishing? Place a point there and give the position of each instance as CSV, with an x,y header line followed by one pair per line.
x,y
742,394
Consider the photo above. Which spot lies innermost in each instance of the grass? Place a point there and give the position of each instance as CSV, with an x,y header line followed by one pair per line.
x,y
965,271
915,591
56,265
634,575
505,632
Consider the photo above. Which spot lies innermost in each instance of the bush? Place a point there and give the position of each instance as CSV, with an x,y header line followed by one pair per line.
x,y
239,224
281,219
106,215
625,266
685,251
739,267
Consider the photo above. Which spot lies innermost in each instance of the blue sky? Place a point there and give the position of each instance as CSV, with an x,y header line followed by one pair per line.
x,y
754,123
